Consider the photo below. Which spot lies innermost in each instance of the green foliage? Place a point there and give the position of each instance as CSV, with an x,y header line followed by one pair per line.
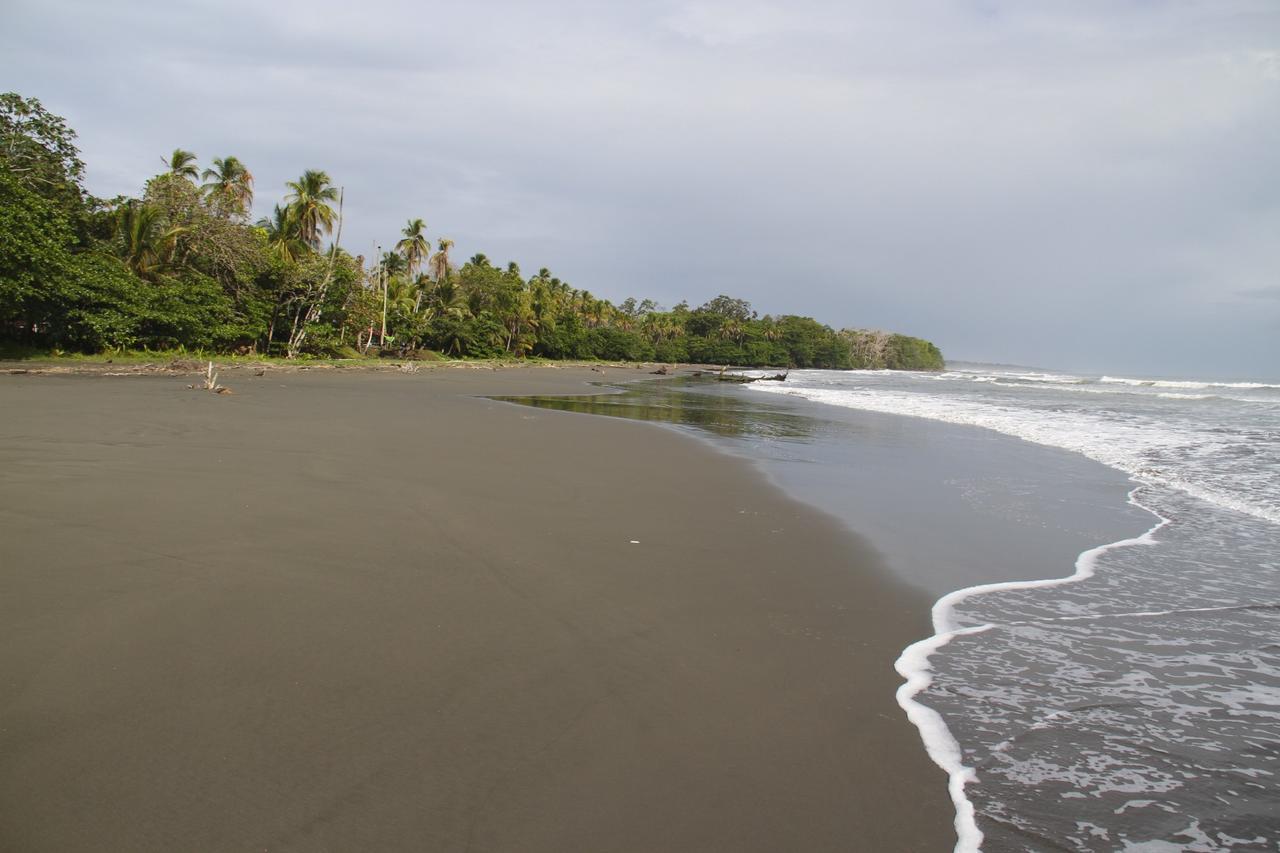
x,y
182,164
309,207
228,186
190,310
906,353
180,267
671,351
38,149
103,306
882,350
618,345
34,257
729,308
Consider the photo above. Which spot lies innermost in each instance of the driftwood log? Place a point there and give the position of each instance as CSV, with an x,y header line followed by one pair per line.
x,y
743,378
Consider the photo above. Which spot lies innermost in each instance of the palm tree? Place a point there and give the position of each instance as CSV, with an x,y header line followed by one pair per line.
x,y
401,295
282,234
309,205
414,247
143,238
421,288
182,164
393,264
229,184
732,330
440,260
655,328
445,299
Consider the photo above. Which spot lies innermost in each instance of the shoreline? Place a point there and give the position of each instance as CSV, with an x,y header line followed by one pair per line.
x,y
380,611
914,667
909,458
1076,680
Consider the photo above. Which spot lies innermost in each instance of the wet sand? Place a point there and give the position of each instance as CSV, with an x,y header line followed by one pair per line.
x,y
344,612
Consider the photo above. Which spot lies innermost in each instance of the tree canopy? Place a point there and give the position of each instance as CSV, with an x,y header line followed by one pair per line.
x,y
180,265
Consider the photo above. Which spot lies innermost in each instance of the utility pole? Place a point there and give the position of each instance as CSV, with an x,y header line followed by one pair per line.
x,y
382,339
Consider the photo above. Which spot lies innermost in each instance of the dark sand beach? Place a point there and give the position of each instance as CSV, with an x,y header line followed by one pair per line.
x,y
342,611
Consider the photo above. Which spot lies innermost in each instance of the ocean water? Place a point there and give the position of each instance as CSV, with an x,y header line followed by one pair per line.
x,y
1129,699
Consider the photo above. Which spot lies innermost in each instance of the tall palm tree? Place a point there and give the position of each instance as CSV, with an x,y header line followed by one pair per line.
x,y
182,164
229,184
308,202
414,247
440,260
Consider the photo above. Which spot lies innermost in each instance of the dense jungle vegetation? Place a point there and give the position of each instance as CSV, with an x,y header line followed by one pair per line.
x,y
183,266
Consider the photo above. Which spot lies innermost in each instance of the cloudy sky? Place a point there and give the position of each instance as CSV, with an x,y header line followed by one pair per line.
x,y
1090,184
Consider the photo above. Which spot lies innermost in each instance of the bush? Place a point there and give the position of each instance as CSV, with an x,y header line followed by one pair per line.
x,y
189,310
618,345
906,353
104,305
715,351
671,352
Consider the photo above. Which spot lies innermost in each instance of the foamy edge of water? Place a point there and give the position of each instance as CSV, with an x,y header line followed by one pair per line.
x,y
913,665
997,419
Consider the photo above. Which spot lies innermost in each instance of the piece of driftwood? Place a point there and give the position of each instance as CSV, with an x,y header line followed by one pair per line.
x,y
722,376
211,383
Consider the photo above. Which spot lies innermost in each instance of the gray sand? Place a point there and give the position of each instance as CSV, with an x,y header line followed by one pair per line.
x,y
372,612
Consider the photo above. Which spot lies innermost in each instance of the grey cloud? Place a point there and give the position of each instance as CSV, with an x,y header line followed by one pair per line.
x,y
1265,293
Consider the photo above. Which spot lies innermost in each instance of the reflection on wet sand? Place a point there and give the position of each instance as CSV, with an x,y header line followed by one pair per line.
x,y
686,401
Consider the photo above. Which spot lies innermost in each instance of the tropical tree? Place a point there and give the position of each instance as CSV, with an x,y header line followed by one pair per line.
x,y
445,299
414,247
282,234
393,265
38,149
308,204
440,260
401,295
145,242
228,184
182,164
732,330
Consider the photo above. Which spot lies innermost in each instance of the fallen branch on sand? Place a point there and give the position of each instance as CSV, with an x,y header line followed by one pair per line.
x,y
211,382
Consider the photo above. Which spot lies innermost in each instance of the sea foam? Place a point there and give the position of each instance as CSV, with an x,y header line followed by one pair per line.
x,y
1208,589
914,667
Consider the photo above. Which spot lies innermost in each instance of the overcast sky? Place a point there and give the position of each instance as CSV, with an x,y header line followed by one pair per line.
x,y
1090,184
